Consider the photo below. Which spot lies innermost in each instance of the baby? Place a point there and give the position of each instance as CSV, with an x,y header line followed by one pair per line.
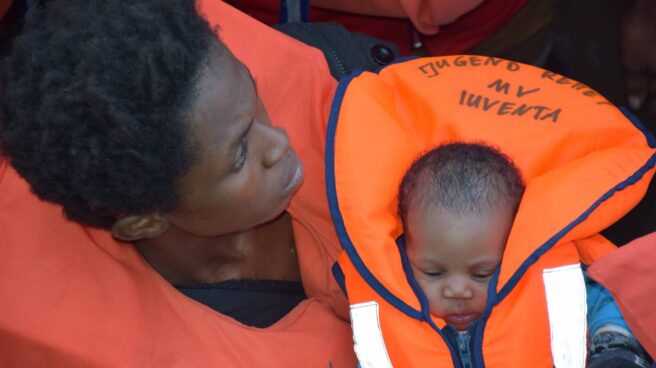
x,y
458,203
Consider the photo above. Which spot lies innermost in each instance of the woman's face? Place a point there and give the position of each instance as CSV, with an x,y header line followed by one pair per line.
x,y
245,171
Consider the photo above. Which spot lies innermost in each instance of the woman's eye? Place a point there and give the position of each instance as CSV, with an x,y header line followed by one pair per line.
x,y
241,156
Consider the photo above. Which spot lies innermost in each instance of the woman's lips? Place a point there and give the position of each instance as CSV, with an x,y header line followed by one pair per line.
x,y
295,178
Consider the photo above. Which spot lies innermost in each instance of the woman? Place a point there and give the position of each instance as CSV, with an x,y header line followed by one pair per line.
x,y
146,129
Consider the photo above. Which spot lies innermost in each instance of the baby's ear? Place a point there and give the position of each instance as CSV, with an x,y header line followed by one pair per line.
x,y
131,228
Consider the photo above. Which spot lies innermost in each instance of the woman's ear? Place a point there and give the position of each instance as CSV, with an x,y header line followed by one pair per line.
x,y
131,228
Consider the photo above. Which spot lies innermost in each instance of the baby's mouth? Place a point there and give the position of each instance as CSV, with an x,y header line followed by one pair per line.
x,y
461,320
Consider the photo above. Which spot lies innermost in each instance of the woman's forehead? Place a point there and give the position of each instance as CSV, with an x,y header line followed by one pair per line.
x,y
225,91
223,77
224,105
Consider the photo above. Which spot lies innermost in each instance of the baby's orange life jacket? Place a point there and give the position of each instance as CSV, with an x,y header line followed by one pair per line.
x,y
72,296
585,164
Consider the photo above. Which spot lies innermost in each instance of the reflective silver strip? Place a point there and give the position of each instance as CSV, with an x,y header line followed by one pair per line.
x,y
368,337
566,304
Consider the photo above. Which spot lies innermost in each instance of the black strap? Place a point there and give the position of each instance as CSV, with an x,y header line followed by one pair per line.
x,y
293,11
344,51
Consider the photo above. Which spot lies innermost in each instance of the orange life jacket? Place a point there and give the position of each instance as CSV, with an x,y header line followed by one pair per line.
x,y
585,165
74,297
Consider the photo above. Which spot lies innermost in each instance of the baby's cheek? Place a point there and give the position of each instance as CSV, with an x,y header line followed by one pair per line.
x,y
481,296
432,292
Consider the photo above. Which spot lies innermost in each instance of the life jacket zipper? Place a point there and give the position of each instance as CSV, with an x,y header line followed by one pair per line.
x,y
338,59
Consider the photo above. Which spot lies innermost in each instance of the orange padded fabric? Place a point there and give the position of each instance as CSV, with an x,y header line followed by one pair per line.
x,y
74,297
584,162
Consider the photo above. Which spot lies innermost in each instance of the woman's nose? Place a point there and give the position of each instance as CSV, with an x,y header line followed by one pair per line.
x,y
276,145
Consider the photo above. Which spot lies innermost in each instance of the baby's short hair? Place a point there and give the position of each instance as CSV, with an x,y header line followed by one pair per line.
x,y
461,178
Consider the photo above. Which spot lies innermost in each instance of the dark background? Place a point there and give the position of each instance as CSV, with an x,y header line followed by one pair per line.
x,y
586,48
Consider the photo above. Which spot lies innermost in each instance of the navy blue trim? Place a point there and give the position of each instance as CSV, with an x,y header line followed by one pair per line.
x,y
514,279
338,274
398,60
305,11
651,140
479,359
423,300
282,12
414,285
336,215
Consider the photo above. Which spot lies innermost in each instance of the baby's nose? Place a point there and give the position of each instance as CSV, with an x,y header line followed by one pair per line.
x,y
458,289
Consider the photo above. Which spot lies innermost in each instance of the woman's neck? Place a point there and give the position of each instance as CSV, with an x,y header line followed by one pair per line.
x,y
262,253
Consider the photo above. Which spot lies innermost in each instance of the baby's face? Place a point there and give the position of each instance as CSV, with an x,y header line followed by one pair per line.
x,y
453,258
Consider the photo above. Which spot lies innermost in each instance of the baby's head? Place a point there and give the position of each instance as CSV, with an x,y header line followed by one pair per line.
x,y
457,203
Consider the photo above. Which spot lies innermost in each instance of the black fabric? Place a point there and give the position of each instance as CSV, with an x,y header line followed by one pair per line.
x,y
256,303
12,23
344,51
14,20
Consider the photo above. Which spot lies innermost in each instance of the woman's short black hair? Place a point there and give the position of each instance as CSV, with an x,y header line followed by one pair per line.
x,y
461,178
93,102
